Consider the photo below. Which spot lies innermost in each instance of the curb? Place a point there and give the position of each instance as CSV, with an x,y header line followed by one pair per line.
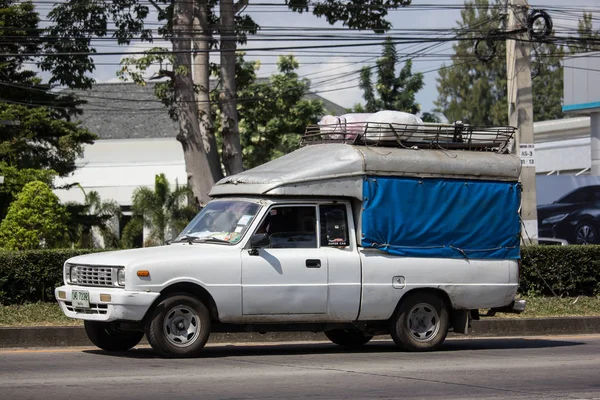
x,y
59,336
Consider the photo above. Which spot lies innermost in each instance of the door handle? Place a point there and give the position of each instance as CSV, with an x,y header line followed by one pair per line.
x,y
313,263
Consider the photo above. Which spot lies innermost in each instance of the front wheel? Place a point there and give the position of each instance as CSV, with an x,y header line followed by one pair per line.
x,y
586,233
348,338
420,323
179,326
106,337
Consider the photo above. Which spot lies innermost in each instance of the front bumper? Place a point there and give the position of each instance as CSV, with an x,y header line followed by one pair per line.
x,y
123,305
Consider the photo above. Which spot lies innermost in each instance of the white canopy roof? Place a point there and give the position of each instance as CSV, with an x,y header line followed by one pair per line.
x,y
337,169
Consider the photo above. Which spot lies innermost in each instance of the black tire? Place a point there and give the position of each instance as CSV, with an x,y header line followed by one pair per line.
x,y
586,233
106,337
420,323
179,326
348,338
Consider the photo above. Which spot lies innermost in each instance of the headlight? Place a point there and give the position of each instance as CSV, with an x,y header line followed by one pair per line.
x,y
121,277
554,219
68,273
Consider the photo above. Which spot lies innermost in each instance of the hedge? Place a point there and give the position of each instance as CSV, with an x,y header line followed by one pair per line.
x,y
31,276
560,270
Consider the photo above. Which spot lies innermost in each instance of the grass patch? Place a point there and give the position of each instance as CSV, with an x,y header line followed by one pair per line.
x,y
49,314
538,307
35,314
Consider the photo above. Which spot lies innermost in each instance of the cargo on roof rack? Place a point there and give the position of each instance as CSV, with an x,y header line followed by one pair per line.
x,y
456,136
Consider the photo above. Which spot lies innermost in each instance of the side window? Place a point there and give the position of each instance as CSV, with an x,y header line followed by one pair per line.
x,y
334,225
291,227
578,196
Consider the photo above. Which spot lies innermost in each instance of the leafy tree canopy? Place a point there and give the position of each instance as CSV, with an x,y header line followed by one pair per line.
x,y
34,220
37,138
391,92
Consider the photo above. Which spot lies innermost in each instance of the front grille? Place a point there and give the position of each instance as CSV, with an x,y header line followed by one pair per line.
x,y
94,308
93,276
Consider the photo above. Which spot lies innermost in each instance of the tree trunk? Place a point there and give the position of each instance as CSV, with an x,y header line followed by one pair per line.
x,y
199,175
232,148
201,78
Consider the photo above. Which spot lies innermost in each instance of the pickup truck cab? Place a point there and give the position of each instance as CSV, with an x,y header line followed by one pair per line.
x,y
350,238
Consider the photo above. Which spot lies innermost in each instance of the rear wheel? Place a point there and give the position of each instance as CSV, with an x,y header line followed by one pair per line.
x,y
106,337
348,338
420,323
179,326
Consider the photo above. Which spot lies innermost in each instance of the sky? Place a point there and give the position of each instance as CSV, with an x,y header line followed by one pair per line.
x,y
333,76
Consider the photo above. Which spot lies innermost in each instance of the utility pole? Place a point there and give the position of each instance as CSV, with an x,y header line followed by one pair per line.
x,y
520,110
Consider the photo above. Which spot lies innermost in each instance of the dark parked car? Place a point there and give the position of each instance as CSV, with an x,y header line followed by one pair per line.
x,y
574,217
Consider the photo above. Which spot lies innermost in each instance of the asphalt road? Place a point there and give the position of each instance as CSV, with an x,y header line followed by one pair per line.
x,y
550,367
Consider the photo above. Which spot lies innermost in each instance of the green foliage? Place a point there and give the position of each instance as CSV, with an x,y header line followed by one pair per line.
x,y
395,92
164,211
272,112
560,270
470,90
81,21
589,38
34,220
94,214
14,181
42,140
131,232
355,14
45,142
29,276
276,112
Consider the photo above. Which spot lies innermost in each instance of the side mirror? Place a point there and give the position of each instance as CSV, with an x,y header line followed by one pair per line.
x,y
258,241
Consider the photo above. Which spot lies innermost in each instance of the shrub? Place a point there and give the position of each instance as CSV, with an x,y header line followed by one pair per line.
x,y
28,276
560,270
34,220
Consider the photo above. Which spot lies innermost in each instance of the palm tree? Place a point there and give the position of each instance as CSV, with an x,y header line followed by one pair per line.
x,y
162,210
93,214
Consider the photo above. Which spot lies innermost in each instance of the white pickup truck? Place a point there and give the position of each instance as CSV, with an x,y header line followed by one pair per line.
x,y
343,236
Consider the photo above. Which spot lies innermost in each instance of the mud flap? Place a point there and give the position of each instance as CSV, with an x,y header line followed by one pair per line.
x,y
460,321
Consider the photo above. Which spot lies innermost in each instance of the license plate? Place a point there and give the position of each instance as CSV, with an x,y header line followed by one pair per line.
x,y
80,299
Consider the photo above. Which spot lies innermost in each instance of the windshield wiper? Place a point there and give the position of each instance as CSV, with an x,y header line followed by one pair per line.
x,y
195,239
211,239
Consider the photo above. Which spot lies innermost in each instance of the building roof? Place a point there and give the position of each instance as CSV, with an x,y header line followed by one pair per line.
x,y
131,111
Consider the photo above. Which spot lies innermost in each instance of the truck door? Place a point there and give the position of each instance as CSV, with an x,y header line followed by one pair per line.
x,y
289,275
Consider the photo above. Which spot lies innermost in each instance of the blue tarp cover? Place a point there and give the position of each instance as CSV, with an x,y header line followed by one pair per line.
x,y
448,218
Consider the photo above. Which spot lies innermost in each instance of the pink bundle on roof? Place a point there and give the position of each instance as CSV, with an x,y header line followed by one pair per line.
x,y
343,127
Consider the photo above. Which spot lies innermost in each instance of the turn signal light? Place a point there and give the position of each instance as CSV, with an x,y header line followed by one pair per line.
x,y
62,295
105,298
143,272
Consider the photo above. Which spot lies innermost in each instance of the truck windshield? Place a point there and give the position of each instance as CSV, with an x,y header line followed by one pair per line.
x,y
221,221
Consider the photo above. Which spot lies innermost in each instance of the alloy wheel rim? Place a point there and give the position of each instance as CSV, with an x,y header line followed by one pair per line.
x,y
586,235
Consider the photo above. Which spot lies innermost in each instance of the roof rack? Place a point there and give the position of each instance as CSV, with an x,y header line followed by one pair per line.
x,y
457,136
